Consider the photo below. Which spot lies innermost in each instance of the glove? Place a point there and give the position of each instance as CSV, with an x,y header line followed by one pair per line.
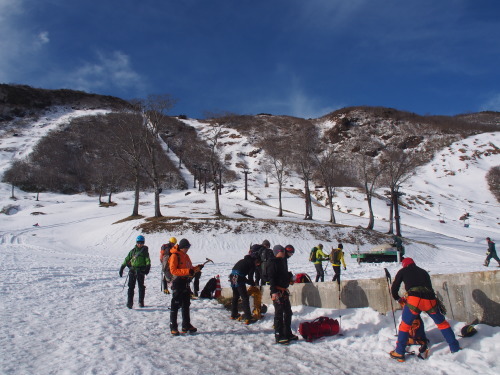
x,y
148,268
345,269
197,269
191,272
200,266
402,302
121,270
275,296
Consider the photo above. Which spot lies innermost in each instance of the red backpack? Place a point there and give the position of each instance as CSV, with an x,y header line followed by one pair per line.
x,y
319,327
302,278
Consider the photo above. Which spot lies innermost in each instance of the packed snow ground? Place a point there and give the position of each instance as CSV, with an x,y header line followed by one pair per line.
x,y
63,304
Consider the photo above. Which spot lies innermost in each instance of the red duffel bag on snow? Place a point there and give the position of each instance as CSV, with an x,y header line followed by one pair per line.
x,y
319,327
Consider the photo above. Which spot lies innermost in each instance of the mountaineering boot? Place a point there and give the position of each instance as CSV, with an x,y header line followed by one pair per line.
x,y
166,291
141,304
292,337
250,321
281,339
189,329
236,317
129,305
398,357
486,263
174,331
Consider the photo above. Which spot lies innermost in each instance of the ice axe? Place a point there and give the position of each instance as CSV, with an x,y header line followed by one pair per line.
x,y
389,281
208,260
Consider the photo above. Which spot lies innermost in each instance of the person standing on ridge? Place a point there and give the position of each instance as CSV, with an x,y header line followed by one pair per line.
x,y
279,280
139,264
164,257
491,253
318,257
421,297
336,258
182,271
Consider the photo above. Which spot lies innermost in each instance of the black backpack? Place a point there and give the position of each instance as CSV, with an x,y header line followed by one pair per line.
x,y
255,251
209,288
266,255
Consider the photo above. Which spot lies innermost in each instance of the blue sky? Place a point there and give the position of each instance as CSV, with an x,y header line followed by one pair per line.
x,y
296,57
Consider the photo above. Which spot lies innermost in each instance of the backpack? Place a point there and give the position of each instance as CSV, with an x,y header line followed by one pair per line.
x,y
209,288
320,327
335,256
302,278
167,275
165,252
265,256
255,251
312,255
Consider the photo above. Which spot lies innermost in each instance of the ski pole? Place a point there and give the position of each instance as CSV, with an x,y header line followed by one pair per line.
x,y
340,315
389,280
445,287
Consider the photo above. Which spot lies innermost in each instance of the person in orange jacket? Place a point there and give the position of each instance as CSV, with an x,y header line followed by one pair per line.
x,y
182,271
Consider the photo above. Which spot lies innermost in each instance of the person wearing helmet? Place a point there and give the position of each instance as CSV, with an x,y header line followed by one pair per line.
x,y
421,297
164,256
242,274
139,265
279,280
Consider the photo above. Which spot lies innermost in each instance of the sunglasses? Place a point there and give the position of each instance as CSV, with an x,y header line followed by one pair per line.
x,y
140,242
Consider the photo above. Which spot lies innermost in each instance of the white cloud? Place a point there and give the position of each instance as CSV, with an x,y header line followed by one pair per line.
x,y
43,38
110,70
493,104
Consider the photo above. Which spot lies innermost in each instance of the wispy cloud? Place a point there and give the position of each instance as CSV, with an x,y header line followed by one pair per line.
x,y
110,70
493,104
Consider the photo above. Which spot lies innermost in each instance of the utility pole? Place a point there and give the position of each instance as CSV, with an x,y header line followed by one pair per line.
x,y
246,171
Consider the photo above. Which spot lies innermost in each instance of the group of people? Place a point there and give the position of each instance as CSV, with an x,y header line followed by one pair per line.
x,y
178,271
336,258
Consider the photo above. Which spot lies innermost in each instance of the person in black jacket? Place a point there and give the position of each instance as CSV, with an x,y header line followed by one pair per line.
x,y
279,280
421,297
238,279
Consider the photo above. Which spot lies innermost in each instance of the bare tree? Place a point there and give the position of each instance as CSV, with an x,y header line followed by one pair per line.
x,y
332,172
278,159
154,109
399,166
304,144
213,163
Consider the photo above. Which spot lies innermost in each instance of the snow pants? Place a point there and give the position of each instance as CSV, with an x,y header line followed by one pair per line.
x,y
283,316
134,277
336,270
412,309
181,299
240,291
320,274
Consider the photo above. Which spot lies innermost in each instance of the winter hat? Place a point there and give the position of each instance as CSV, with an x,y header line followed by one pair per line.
x,y
266,243
320,246
183,244
406,262
340,246
278,249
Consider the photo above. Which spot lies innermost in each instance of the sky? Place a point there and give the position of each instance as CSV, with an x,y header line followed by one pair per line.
x,y
292,57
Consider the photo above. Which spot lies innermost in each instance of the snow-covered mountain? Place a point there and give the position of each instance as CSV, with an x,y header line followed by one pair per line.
x,y
63,305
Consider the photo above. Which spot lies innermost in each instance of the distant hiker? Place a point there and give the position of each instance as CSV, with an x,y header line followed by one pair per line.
x,y
491,252
164,257
279,280
421,297
266,254
336,258
317,256
182,270
240,276
398,244
139,264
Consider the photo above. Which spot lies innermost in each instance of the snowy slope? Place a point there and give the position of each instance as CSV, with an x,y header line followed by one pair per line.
x,y
63,304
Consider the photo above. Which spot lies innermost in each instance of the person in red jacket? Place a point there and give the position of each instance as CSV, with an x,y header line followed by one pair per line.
x,y
182,271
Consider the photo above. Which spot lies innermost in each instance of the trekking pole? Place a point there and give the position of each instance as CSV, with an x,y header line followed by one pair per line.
x,y
389,281
125,283
161,280
445,287
340,315
325,270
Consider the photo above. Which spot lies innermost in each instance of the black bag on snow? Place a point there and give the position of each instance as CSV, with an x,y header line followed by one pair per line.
x,y
209,289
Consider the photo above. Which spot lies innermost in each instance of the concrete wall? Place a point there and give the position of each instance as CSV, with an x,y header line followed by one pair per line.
x,y
468,297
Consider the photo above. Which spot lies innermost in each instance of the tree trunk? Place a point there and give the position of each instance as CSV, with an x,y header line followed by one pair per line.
x,y
280,211
391,216
216,192
135,210
396,214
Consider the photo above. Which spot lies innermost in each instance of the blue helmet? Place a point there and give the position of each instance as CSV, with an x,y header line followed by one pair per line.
x,y
140,239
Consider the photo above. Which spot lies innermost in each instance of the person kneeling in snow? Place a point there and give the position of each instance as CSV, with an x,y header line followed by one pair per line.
x,y
421,297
